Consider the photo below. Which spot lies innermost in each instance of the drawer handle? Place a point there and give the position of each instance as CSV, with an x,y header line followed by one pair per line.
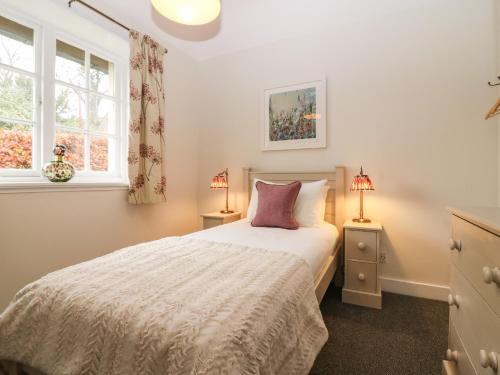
x,y
452,355
455,244
488,359
361,277
361,245
491,275
454,300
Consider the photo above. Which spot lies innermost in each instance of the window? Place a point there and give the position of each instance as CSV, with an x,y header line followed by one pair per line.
x,y
19,115
85,107
82,104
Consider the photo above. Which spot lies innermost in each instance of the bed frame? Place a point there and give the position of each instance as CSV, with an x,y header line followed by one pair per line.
x,y
334,213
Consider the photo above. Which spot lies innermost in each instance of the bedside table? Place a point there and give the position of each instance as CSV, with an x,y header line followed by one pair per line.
x,y
214,219
362,282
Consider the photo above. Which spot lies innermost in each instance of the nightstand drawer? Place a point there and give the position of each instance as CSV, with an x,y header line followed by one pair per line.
x,y
361,245
361,276
215,219
210,222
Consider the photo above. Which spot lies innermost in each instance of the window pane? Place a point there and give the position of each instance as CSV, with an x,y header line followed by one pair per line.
x,y
16,45
101,75
70,64
102,114
15,146
16,95
99,153
70,107
75,146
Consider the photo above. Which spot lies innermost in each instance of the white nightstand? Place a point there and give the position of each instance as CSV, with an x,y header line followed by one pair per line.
x,y
214,219
362,282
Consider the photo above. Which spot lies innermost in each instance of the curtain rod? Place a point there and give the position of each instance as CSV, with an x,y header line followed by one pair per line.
x,y
101,13
98,12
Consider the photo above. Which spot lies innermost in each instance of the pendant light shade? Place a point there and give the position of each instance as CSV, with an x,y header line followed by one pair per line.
x,y
188,12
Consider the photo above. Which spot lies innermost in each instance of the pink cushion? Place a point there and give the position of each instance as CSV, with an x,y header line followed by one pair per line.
x,y
275,207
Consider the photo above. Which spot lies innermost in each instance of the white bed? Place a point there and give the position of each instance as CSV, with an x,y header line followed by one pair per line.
x,y
232,299
313,244
334,215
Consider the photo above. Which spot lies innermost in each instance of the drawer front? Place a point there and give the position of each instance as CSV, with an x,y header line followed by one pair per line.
x,y
479,249
361,276
228,220
361,245
209,222
462,365
477,325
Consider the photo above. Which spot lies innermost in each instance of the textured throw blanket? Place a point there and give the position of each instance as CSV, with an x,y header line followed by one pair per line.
x,y
173,306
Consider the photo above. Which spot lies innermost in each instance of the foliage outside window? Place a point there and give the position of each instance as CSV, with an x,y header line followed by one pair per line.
x,y
86,105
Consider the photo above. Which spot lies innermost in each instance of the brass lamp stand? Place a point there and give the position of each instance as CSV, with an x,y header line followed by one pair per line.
x,y
221,181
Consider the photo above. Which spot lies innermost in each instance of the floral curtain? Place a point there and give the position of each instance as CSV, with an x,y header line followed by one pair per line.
x,y
147,121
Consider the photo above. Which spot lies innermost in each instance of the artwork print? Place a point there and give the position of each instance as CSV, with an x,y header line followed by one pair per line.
x,y
295,116
292,115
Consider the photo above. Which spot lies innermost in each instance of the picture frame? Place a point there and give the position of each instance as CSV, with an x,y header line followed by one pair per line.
x,y
294,116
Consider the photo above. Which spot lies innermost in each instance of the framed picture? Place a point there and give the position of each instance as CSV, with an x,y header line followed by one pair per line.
x,y
295,116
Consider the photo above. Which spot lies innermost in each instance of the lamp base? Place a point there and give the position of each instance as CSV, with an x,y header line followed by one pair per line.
x,y
226,211
361,220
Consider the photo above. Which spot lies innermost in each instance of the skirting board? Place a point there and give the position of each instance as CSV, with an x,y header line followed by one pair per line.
x,y
415,289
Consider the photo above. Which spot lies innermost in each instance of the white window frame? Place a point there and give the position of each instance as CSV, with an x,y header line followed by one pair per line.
x,y
45,35
35,171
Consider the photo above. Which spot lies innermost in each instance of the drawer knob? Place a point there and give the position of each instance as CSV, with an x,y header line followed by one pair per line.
x,y
491,275
454,300
361,277
361,245
452,355
455,244
488,359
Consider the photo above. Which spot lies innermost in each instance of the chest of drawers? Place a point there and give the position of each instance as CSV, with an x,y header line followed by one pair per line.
x,y
474,339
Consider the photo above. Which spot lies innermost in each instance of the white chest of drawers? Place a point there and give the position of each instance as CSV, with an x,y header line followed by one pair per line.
x,y
474,340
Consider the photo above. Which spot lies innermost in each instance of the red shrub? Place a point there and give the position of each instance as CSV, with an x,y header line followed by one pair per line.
x,y
15,149
16,145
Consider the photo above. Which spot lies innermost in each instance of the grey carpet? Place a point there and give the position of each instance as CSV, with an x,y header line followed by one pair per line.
x,y
408,336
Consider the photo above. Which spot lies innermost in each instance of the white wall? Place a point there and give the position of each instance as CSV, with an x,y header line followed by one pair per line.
x,y
406,98
42,232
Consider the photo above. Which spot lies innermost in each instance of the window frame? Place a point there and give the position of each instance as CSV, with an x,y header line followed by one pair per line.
x,y
44,129
36,75
117,99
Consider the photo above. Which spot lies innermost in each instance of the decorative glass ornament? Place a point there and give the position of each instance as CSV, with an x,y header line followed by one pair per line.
x,y
59,170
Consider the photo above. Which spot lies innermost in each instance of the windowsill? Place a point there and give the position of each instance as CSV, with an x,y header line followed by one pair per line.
x,y
47,186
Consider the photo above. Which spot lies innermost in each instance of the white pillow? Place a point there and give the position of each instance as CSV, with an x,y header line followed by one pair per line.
x,y
309,208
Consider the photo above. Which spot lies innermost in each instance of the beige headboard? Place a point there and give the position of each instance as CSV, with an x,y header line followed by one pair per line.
x,y
335,210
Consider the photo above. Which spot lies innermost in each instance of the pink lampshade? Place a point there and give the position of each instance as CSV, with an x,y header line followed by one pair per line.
x,y
219,182
361,182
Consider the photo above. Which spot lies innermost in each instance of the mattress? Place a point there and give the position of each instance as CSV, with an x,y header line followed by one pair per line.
x,y
313,244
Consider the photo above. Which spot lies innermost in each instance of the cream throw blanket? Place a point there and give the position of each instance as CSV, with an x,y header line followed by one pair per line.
x,y
172,306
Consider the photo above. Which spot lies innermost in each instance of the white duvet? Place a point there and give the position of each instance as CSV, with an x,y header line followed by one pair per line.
x,y
176,306
313,244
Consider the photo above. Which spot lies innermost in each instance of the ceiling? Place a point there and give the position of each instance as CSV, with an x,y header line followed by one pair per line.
x,y
243,24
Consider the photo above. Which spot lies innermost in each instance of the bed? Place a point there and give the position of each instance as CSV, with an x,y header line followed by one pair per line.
x,y
334,213
217,301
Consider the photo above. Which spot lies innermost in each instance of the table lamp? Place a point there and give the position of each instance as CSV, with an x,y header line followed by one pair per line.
x,y
221,181
361,183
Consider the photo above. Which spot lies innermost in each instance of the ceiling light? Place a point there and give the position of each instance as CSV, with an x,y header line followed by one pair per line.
x,y
188,12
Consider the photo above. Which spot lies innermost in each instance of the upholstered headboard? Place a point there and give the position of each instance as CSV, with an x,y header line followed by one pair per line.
x,y
335,211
